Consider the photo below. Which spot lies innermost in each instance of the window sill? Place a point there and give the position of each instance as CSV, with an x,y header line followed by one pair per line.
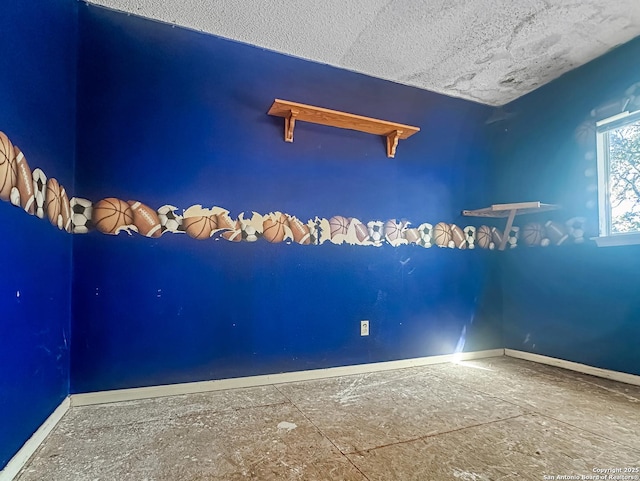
x,y
617,240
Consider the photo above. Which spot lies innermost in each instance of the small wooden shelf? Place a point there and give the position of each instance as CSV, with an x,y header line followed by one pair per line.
x,y
292,111
510,211
503,210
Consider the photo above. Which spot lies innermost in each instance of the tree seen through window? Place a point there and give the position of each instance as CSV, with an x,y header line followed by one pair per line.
x,y
624,178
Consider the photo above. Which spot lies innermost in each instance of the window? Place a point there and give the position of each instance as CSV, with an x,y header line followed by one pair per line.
x,y
618,140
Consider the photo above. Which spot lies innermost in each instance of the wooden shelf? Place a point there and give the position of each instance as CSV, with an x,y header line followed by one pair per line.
x,y
292,112
510,211
503,210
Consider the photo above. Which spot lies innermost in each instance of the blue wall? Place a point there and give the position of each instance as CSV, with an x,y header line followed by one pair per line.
x,y
579,303
37,99
167,115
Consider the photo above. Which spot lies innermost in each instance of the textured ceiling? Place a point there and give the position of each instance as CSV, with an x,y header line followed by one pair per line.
x,y
490,51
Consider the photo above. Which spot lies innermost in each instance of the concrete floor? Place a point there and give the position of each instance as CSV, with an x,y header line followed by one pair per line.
x,y
494,419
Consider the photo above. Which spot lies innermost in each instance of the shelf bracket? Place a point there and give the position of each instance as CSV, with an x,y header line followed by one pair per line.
x,y
289,125
392,143
507,229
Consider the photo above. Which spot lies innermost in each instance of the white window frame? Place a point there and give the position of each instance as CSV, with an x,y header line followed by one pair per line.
x,y
606,237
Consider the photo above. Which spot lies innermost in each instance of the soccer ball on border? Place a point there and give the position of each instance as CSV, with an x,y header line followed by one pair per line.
x,y
249,233
81,212
470,236
376,231
425,231
40,191
170,220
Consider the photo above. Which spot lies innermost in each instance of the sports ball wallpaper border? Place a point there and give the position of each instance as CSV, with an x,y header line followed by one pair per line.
x,y
46,198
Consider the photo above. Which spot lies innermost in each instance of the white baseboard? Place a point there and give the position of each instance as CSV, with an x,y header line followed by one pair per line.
x,y
18,461
575,366
103,397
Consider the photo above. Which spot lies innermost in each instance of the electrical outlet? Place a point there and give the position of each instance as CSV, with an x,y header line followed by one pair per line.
x,y
364,328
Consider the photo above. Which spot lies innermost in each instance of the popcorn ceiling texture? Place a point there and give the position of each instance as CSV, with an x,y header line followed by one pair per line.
x,y
489,51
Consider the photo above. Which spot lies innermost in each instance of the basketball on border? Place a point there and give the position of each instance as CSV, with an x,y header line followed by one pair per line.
x,y
111,214
52,204
199,227
394,231
273,227
532,234
8,169
339,225
483,237
442,234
